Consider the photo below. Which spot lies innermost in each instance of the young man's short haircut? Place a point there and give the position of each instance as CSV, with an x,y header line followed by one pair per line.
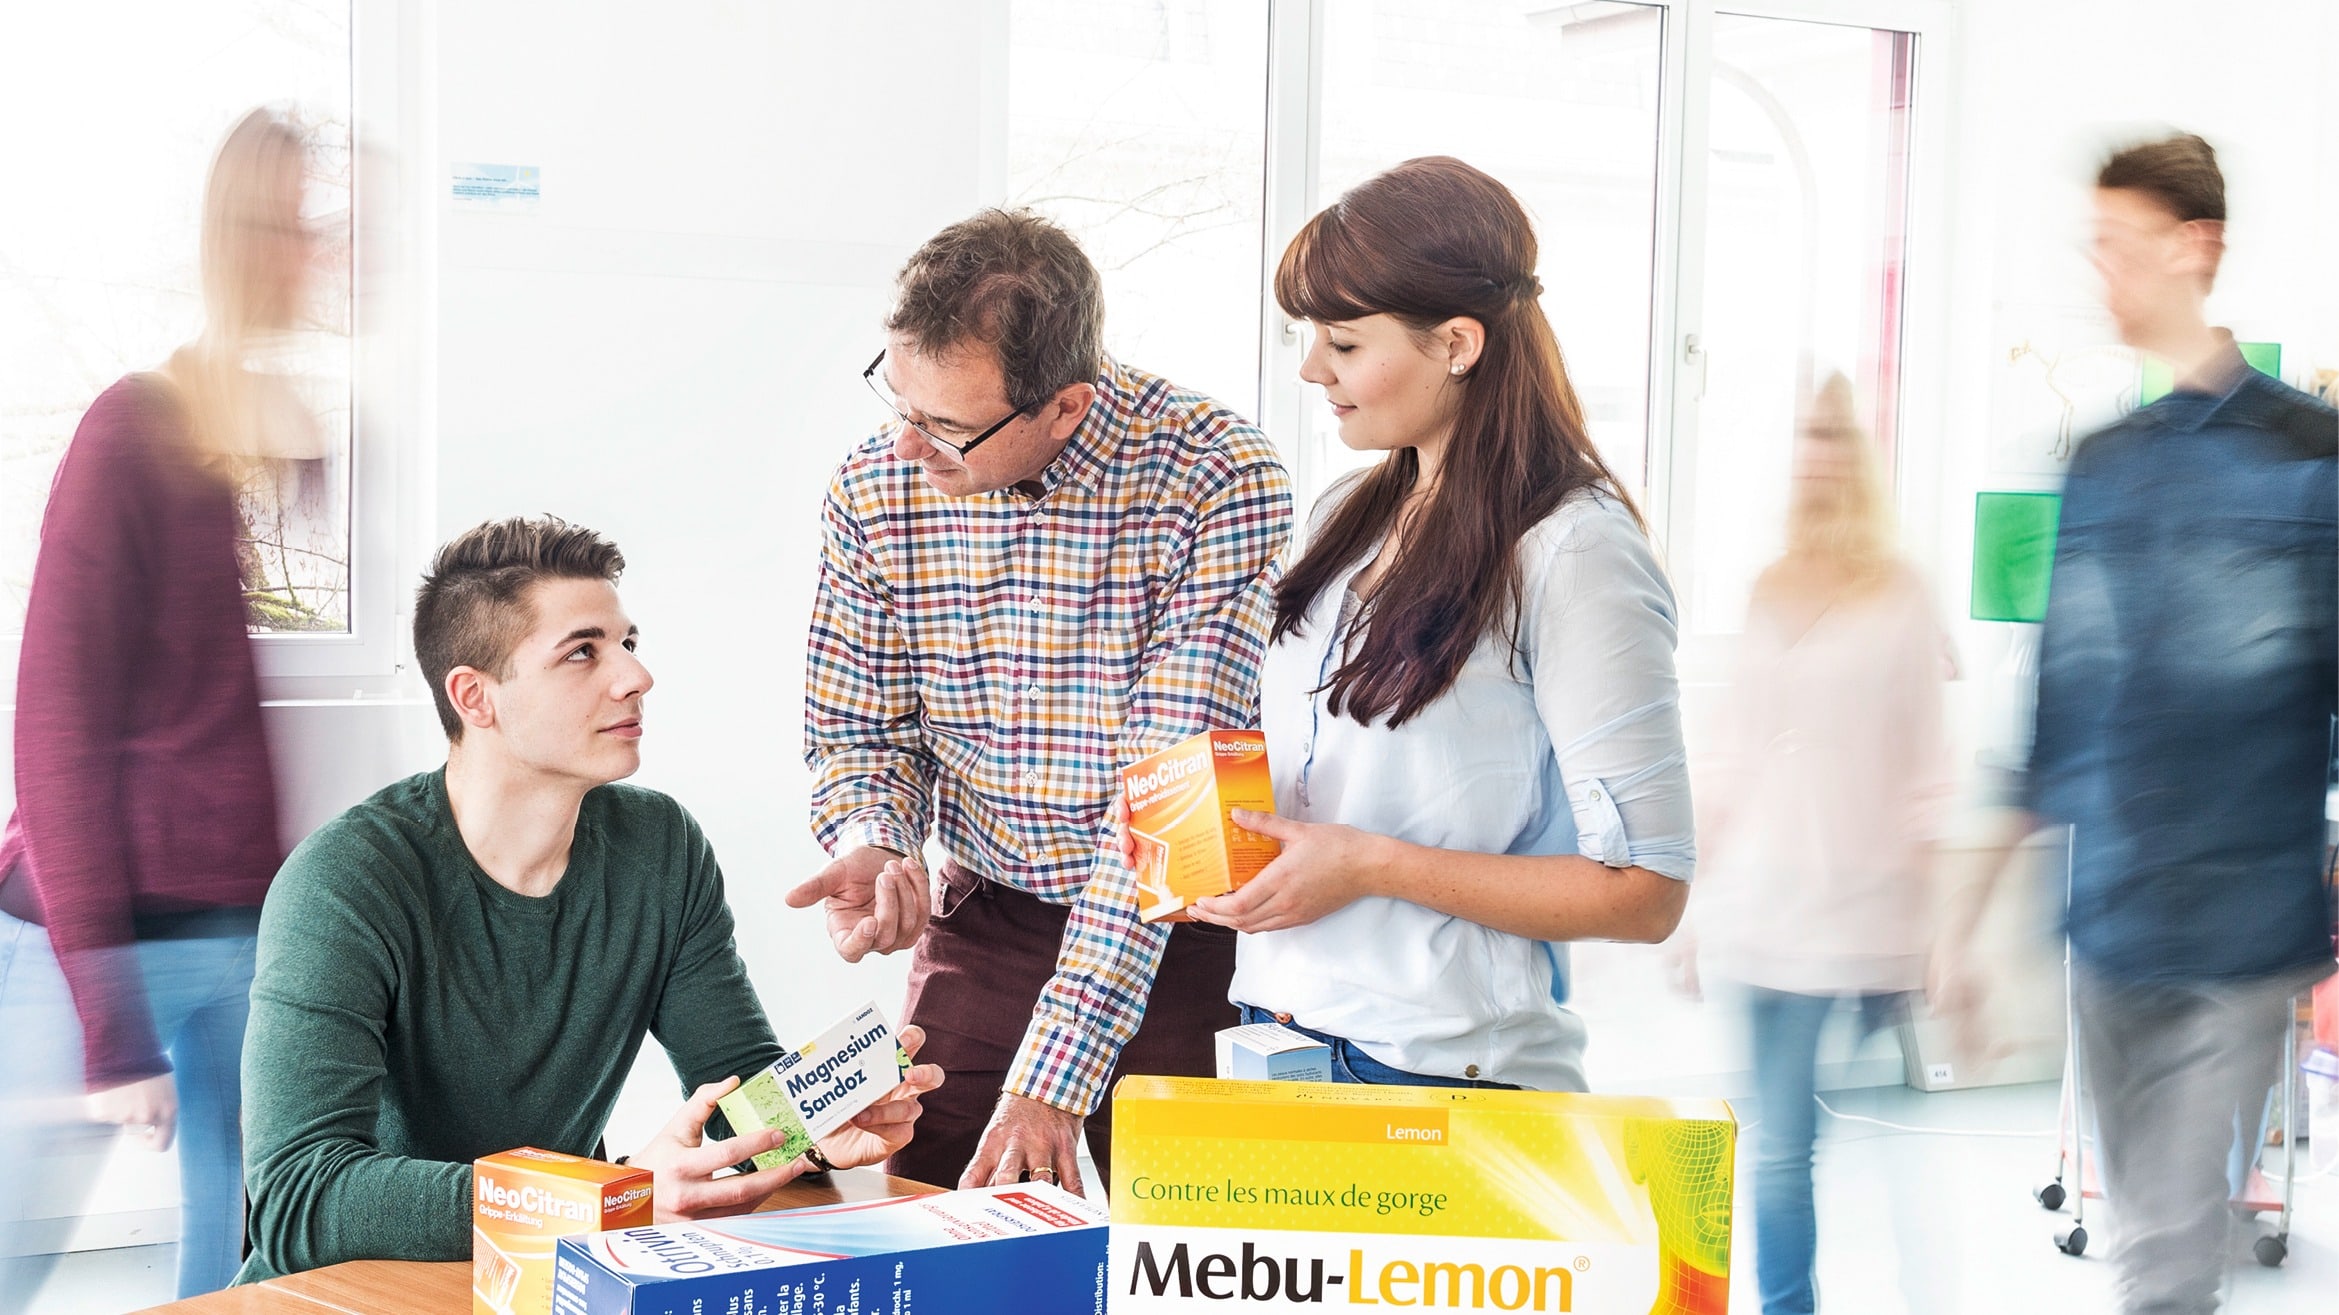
x,y
2180,173
473,609
1016,283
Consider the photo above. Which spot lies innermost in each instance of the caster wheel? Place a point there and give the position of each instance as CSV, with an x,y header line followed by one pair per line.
x,y
2049,1196
2270,1250
2072,1241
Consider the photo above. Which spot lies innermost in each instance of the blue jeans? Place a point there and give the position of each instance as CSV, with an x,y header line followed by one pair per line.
x,y
199,990
1351,1064
1784,1030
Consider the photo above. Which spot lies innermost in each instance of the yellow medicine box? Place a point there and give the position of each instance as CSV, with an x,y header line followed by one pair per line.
x,y
1180,801
523,1202
1275,1194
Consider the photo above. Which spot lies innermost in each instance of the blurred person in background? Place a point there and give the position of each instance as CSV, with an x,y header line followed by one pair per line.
x,y
2186,689
145,831
1820,823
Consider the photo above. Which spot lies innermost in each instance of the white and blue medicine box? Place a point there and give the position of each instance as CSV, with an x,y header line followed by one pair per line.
x,y
1271,1052
1028,1249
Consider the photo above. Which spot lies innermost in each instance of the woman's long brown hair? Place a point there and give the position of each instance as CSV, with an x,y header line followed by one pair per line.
x,y
1427,241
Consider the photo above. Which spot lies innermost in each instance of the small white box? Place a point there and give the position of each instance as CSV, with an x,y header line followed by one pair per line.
x,y
1271,1052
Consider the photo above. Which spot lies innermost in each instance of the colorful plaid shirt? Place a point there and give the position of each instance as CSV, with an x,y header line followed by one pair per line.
x,y
980,669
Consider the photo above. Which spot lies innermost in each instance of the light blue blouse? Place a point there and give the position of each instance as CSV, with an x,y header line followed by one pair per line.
x,y
1572,746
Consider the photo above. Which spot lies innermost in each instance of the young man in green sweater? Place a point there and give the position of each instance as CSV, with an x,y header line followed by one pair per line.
x,y
468,961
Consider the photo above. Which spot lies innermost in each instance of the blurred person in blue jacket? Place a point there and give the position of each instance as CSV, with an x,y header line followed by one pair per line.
x,y
2186,692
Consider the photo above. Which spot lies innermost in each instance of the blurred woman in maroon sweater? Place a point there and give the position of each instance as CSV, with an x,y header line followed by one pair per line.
x,y
145,829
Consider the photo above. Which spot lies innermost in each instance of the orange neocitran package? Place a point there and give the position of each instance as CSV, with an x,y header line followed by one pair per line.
x,y
523,1202
1179,801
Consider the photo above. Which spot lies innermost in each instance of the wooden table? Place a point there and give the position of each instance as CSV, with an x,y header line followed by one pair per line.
x,y
422,1287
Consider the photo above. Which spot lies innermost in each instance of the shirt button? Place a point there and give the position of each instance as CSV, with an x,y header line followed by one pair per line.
x,y
1031,778
1595,796
1471,1072
1032,693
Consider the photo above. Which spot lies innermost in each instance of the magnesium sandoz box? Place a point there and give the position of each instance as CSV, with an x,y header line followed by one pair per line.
x,y
1232,1196
1180,799
1270,1052
811,1091
1030,1249
522,1201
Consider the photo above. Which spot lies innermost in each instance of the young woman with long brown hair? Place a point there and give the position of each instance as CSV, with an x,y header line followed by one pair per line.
x,y
1470,703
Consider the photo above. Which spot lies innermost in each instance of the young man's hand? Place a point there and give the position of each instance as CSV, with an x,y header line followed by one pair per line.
x,y
885,1127
1027,1139
876,899
686,1163
147,1109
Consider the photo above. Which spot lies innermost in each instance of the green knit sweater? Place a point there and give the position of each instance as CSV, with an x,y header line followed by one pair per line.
x,y
410,1015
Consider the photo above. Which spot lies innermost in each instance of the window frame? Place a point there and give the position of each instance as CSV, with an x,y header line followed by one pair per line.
x,y
393,339
1704,658
391,422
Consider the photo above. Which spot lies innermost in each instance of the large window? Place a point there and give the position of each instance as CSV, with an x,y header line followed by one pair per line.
x,y
1138,125
117,107
1721,190
1561,105
1805,243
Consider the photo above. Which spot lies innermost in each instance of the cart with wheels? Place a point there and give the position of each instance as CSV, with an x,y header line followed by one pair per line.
x,y
2075,1181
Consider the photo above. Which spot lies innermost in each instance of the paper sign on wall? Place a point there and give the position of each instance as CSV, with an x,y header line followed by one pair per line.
x,y
495,186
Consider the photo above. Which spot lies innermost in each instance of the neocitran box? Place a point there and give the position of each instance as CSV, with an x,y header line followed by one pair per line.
x,y
523,1201
1180,805
1030,1249
1276,1194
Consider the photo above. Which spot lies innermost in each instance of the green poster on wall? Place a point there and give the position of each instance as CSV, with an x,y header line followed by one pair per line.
x,y
2014,553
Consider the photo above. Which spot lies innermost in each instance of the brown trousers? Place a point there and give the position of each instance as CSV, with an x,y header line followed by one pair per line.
x,y
974,978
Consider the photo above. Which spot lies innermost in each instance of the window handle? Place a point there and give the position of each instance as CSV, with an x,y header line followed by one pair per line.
x,y
1695,353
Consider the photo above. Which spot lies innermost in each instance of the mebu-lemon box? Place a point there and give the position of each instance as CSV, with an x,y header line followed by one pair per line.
x,y
1180,805
1282,1195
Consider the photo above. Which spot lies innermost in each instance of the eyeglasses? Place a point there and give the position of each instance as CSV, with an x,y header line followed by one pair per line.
x,y
960,445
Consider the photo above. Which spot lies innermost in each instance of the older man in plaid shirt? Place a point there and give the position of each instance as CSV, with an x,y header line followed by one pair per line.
x,y
1049,565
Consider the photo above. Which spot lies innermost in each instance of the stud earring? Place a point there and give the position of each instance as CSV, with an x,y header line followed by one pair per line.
x,y
1459,367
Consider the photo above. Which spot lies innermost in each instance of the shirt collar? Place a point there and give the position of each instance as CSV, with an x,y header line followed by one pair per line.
x,y
2219,381
1095,440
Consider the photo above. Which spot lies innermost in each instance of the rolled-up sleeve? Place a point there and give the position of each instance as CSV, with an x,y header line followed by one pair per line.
x,y
1598,630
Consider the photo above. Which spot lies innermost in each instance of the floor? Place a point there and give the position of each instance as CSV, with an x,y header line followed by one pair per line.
x,y
1932,1222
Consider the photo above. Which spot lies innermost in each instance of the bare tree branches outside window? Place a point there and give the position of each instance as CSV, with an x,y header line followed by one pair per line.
x,y
1139,126
100,279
